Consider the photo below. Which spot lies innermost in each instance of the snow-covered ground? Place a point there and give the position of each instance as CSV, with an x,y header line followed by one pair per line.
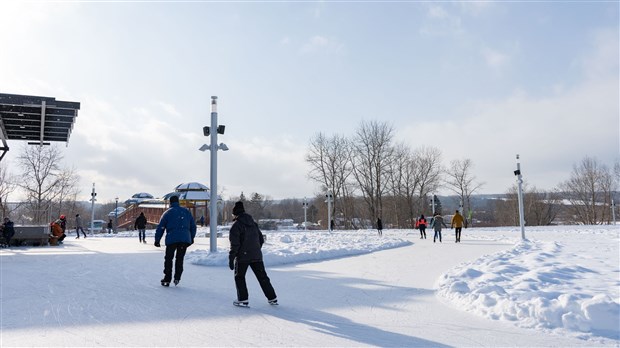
x,y
560,287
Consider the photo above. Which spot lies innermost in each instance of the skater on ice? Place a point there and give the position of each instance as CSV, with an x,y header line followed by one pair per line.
x,y
180,229
421,225
246,241
457,223
140,225
436,224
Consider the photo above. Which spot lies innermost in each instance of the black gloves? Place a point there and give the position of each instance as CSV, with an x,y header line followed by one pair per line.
x,y
231,263
157,244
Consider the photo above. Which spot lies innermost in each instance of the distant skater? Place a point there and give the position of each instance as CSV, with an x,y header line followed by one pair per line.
x,y
457,223
436,225
421,225
8,231
140,225
78,226
380,227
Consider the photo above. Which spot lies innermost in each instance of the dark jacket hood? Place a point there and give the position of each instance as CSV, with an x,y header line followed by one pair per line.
x,y
245,219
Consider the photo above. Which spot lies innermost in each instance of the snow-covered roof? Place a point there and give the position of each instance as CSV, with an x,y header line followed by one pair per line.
x,y
191,186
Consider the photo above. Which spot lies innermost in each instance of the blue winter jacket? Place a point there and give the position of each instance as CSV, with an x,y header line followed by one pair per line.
x,y
179,225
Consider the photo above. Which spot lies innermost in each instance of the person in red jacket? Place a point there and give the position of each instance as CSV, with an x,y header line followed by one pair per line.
x,y
421,225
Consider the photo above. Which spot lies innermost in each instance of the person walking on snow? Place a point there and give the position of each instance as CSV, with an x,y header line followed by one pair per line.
x,y
180,228
380,227
246,241
421,225
436,225
457,223
140,225
78,226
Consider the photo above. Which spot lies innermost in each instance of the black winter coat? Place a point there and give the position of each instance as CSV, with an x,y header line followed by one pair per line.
x,y
246,240
140,222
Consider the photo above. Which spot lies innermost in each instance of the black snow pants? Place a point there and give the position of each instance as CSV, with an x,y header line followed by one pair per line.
x,y
179,249
261,275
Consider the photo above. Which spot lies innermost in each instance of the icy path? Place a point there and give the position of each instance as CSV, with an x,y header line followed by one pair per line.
x,y
105,292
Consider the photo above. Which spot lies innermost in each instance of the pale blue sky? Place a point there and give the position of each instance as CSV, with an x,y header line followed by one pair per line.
x,y
479,80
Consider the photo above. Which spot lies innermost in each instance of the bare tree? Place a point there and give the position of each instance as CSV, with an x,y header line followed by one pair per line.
x,y
428,169
400,174
7,186
371,155
330,166
43,180
461,181
589,191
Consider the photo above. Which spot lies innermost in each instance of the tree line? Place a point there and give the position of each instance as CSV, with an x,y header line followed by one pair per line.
x,y
369,175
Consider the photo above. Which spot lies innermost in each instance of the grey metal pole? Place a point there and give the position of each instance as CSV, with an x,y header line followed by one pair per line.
x,y
213,199
521,209
92,210
329,210
613,211
116,216
305,204
433,203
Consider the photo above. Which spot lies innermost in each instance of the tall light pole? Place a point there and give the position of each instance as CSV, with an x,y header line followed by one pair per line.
x,y
521,210
305,205
329,198
92,209
613,211
116,215
214,130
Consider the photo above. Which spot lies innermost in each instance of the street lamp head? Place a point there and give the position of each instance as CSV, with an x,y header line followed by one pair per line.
x,y
222,147
204,147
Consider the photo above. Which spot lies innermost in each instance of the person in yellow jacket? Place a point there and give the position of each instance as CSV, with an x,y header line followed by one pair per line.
x,y
457,223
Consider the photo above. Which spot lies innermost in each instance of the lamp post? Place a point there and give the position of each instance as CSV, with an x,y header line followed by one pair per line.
x,y
305,205
329,199
116,215
613,211
520,196
213,147
92,209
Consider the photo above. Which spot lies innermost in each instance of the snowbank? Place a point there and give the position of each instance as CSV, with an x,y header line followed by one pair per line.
x,y
571,283
293,247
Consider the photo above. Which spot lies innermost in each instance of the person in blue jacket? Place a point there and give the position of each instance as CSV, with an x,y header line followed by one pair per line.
x,y
180,229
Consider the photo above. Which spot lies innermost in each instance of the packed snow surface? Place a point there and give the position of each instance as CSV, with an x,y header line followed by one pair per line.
x,y
558,287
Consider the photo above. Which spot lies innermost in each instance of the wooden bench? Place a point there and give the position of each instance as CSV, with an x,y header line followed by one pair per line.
x,y
31,235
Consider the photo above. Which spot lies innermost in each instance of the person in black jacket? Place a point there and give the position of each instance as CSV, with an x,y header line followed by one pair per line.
x,y
8,231
246,241
140,225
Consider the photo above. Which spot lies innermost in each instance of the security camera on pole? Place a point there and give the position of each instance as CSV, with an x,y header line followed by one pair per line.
x,y
217,129
521,210
92,209
329,198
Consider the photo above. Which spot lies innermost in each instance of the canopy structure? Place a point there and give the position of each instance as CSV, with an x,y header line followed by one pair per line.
x,y
38,120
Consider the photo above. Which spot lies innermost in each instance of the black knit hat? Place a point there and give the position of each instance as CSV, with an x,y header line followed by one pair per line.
x,y
174,199
238,208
